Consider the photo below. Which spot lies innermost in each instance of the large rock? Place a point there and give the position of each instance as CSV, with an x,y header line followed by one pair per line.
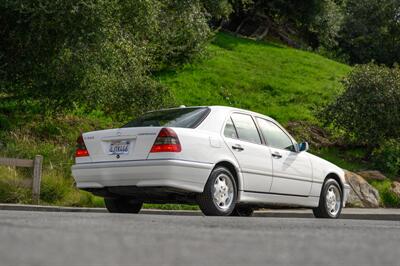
x,y
372,175
362,194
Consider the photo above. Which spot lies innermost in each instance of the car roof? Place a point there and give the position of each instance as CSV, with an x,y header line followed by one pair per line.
x,y
229,109
234,109
219,107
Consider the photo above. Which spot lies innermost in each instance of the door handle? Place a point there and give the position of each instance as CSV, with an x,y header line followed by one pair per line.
x,y
237,147
276,155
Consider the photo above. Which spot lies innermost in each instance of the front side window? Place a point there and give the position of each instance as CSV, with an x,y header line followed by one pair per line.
x,y
246,129
188,117
274,136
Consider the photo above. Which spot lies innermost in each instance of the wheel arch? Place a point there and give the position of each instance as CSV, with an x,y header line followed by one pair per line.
x,y
335,177
233,169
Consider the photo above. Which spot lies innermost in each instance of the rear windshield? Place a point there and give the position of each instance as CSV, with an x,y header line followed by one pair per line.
x,y
182,117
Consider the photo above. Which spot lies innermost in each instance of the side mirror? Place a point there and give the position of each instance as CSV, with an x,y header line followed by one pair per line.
x,y
303,146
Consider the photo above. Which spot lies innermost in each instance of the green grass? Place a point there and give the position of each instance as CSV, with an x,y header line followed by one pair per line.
x,y
54,137
13,187
284,83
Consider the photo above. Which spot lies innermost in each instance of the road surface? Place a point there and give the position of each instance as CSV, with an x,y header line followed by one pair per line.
x,y
50,238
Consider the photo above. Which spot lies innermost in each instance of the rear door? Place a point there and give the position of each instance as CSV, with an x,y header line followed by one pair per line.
x,y
243,139
292,171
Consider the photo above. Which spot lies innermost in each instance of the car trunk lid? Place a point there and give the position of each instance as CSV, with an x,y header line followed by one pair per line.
x,y
120,144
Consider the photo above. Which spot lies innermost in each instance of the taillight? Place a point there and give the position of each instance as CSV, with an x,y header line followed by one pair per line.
x,y
166,141
81,150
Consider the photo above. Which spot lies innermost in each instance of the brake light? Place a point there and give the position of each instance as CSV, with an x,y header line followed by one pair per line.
x,y
81,150
166,141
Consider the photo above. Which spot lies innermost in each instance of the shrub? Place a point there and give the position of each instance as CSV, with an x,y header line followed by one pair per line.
x,y
387,157
100,54
388,197
369,108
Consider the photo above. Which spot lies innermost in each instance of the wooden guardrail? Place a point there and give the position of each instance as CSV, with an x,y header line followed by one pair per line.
x,y
36,164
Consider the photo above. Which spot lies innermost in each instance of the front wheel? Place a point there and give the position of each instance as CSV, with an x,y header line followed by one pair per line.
x,y
122,205
219,195
330,201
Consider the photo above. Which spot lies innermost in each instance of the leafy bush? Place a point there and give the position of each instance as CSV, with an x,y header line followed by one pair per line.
x,y
369,108
387,157
98,53
4,123
388,198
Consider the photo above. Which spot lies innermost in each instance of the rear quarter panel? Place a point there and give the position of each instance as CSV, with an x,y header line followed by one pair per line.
x,y
200,146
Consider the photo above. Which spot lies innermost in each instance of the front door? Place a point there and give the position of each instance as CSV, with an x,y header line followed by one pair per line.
x,y
292,171
255,161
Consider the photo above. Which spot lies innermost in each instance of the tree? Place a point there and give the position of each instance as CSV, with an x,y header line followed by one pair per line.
x,y
371,31
314,22
323,30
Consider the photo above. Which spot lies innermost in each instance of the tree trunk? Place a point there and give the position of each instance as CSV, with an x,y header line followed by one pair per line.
x,y
264,33
241,25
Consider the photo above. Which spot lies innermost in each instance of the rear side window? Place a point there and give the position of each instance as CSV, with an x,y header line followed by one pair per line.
x,y
182,117
230,131
245,127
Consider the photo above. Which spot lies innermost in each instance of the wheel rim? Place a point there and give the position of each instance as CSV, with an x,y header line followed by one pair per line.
x,y
333,200
223,192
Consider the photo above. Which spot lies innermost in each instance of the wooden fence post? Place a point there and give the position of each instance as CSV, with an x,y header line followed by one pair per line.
x,y
37,176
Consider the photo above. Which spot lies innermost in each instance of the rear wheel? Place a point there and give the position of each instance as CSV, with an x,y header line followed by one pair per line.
x,y
330,201
122,205
220,193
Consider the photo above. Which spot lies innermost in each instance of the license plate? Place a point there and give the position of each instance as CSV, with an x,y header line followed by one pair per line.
x,y
121,147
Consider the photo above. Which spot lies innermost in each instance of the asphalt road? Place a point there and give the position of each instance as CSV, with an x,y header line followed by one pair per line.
x,y
46,238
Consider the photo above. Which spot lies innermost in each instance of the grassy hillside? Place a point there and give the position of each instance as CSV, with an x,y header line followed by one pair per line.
x,y
278,81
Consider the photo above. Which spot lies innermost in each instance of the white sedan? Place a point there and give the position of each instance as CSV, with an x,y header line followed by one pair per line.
x,y
229,161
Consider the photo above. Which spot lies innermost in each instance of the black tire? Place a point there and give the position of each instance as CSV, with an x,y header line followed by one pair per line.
x,y
243,211
322,210
206,199
122,205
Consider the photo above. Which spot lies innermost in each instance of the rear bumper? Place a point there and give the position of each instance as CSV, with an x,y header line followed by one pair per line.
x,y
185,175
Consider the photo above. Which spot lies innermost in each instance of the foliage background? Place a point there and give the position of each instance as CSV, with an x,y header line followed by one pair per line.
x,y
68,66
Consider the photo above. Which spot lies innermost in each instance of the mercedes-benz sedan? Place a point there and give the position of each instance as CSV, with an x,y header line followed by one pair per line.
x,y
229,161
